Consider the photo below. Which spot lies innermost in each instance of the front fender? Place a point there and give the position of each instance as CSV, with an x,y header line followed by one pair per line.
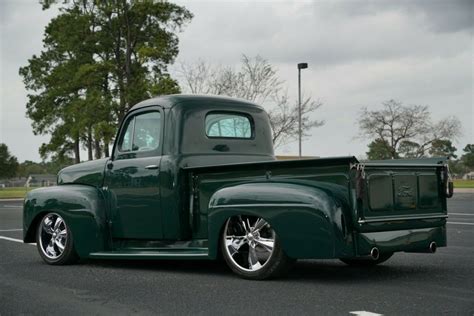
x,y
302,216
81,206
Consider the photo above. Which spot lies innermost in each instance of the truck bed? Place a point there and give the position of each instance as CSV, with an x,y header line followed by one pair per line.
x,y
376,199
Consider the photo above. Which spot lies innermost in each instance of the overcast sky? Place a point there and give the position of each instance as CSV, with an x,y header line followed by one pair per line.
x,y
360,53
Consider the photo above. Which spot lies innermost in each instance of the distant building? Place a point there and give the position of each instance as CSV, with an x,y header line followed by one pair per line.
x,y
41,180
15,182
469,176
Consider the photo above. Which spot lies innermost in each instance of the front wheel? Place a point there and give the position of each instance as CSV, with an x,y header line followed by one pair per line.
x,y
252,249
366,262
54,240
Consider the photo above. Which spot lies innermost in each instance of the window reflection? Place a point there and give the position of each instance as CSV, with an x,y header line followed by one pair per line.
x,y
228,125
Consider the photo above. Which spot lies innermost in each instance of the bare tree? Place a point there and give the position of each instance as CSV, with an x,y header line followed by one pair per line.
x,y
256,80
284,119
407,130
198,77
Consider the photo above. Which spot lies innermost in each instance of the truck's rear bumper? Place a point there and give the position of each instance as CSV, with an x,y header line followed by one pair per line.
x,y
411,240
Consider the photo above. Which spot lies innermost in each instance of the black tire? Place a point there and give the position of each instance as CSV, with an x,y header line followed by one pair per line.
x,y
367,262
44,240
276,264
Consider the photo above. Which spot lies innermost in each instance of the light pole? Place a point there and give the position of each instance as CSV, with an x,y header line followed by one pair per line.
x,y
300,66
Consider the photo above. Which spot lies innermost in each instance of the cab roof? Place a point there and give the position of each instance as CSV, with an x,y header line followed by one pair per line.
x,y
168,101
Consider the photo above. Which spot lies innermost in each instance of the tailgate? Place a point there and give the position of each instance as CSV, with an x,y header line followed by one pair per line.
x,y
402,194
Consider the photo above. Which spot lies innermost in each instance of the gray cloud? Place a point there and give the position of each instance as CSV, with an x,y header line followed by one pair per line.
x,y
437,15
327,32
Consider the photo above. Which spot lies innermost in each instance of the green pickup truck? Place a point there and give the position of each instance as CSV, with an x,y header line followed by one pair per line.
x,y
195,177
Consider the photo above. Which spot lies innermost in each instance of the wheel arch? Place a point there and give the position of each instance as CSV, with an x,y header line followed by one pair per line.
x,y
301,217
30,234
82,207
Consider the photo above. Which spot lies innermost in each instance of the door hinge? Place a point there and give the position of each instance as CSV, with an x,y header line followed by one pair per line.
x,y
193,199
195,187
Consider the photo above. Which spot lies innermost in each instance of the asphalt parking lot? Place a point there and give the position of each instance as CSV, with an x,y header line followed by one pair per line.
x,y
407,284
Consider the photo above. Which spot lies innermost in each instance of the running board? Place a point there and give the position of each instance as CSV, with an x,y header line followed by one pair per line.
x,y
192,254
382,219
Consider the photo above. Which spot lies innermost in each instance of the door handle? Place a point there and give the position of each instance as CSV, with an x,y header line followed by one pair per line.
x,y
152,167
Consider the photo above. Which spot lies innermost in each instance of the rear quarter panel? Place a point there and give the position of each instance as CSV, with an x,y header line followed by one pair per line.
x,y
301,216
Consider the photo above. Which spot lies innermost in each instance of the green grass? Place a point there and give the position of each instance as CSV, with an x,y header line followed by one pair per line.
x,y
458,183
12,193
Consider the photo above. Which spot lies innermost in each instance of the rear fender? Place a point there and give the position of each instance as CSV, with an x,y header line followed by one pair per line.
x,y
302,216
81,206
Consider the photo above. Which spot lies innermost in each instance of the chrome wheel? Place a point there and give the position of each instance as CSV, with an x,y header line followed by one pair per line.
x,y
53,236
249,242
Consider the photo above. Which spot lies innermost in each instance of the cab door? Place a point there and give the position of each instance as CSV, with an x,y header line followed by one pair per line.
x,y
133,177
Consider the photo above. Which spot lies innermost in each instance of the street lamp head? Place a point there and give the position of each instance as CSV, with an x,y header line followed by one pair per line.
x,y
302,65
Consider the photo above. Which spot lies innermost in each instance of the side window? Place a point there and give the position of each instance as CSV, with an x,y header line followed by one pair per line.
x,y
228,125
146,134
142,133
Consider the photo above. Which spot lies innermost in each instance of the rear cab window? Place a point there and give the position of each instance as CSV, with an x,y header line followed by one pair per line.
x,y
229,125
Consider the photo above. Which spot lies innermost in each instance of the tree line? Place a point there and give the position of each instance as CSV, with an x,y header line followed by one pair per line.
x,y
11,168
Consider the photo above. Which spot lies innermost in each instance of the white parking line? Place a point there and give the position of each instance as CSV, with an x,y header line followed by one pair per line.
x,y
14,239
459,223
364,313
11,230
11,239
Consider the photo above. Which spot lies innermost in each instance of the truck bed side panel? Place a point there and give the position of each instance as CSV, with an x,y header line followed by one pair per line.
x,y
307,202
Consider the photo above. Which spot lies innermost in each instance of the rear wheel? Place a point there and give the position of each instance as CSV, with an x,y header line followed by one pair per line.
x,y
252,250
54,240
366,262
